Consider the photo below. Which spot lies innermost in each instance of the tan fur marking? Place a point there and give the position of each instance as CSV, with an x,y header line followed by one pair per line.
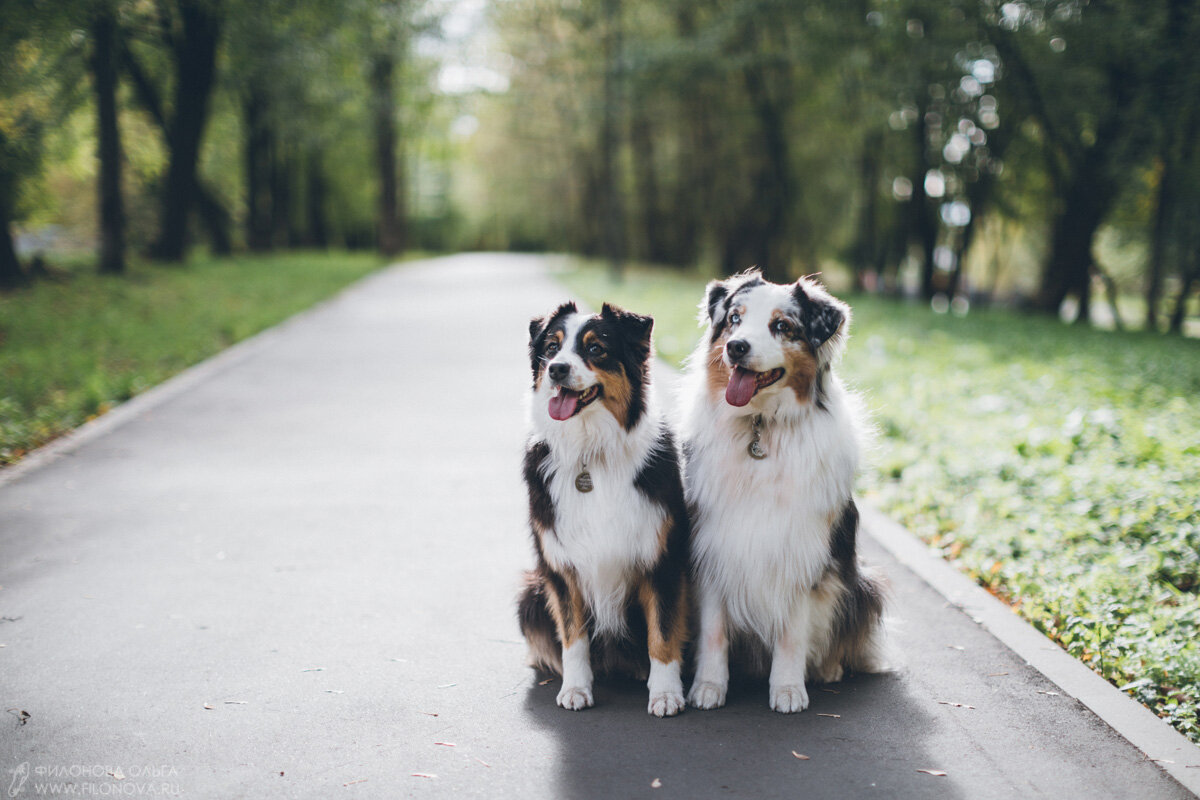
x,y
718,373
662,648
570,613
617,391
801,369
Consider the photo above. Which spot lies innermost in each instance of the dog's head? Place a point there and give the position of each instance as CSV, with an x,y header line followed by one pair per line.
x,y
766,338
580,358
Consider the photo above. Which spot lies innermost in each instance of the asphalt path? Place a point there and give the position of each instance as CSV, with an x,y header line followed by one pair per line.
x,y
292,575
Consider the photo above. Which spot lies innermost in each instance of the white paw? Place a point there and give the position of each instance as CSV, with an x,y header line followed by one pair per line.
x,y
707,695
789,699
575,698
666,704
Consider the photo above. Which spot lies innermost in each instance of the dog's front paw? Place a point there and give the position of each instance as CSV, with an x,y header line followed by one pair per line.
x,y
789,699
707,695
666,704
575,698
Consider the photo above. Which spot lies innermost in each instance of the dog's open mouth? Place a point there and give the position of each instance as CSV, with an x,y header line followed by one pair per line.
x,y
568,402
744,384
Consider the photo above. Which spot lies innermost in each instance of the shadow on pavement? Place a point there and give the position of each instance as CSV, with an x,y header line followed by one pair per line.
x,y
873,746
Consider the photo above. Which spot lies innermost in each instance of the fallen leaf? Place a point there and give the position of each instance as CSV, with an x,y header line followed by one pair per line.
x,y
956,705
1161,760
208,706
281,773
1053,694
937,773
117,774
447,685
955,647
543,683
313,669
656,784
21,714
801,757
446,744
423,775
996,674
834,716
831,691
429,713
400,660
237,702
360,780
481,761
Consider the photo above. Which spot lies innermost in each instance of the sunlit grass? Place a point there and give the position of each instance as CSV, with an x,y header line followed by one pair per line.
x,y
72,348
1059,466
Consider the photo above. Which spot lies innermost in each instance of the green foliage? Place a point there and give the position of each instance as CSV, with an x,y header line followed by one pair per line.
x,y
1058,466
71,349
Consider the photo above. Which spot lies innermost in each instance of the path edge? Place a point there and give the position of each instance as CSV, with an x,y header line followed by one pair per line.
x,y
1160,743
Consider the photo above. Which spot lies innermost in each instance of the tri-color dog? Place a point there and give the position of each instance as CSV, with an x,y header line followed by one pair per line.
x,y
606,506
771,443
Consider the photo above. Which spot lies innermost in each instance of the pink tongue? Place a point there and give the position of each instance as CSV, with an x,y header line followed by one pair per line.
x,y
742,383
562,405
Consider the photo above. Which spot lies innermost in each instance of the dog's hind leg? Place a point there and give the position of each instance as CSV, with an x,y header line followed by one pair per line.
x,y
537,625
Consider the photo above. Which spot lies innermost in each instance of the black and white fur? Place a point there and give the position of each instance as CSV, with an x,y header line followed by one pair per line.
x,y
610,585
774,547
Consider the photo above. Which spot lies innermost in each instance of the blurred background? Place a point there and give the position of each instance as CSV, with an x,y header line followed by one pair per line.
x,y
1042,154
1007,193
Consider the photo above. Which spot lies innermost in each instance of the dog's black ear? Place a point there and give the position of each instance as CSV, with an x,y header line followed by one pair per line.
x,y
635,328
536,326
821,313
714,298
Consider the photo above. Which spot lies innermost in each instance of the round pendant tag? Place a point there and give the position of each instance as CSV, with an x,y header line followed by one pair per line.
x,y
756,450
583,481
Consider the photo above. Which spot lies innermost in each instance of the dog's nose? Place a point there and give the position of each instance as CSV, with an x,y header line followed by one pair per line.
x,y
559,372
737,348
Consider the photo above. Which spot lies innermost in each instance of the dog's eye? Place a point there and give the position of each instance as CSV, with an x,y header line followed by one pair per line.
x,y
735,318
595,349
551,347
782,326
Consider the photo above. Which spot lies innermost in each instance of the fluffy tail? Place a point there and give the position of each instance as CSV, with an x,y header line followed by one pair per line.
x,y
871,651
533,614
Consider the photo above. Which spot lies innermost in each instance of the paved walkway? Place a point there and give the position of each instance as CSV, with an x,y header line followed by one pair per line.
x,y
293,577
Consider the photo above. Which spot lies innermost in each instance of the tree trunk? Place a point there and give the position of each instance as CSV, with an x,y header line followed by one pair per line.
x,y
314,200
773,184
1158,246
1068,269
104,77
258,171
214,218
390,225
194,54
614,206
641,141
867,246
1185,291
924,220
11,273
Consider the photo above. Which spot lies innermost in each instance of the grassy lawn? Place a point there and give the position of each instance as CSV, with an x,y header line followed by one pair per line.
x,y
1059,467
71,349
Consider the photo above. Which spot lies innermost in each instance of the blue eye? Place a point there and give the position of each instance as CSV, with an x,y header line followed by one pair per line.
x,y
782,326
552,348
735,318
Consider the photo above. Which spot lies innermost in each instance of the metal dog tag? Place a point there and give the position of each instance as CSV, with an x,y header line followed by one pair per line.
x,y
756,450
583,481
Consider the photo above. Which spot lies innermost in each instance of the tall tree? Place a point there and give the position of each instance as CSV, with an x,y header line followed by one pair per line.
x,y
108,147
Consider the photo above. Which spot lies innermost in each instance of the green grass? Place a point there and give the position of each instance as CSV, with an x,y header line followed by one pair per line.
x,y
70,349
1058,466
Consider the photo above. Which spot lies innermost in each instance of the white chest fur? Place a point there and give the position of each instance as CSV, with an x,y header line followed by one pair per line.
x,y
762,527
607,535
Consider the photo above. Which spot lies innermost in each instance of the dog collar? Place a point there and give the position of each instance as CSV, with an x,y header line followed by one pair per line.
x,y
755,448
